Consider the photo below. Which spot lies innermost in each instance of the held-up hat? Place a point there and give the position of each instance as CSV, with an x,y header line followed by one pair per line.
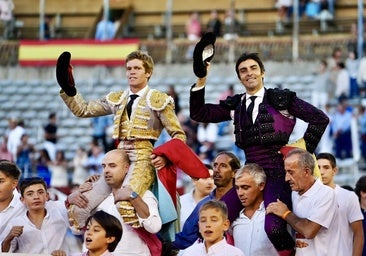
x,y
203,53
64,74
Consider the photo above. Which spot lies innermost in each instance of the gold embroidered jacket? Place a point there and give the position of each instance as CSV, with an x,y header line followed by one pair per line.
x,y
154,111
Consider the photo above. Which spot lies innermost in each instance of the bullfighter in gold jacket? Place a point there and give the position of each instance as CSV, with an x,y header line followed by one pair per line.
x,y
152,111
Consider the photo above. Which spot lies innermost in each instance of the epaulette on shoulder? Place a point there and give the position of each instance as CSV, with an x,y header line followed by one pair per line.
x,y
231,102
280,99
157,100
115,97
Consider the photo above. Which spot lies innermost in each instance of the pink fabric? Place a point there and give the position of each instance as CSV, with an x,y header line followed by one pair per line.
x,y
152,241
229,238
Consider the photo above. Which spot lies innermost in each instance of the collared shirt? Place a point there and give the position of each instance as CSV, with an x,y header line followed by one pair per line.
x,y
14,209
51,236
131,244
258,100
219,249
189,233
249,234
349,212
318,204
140,94
106,253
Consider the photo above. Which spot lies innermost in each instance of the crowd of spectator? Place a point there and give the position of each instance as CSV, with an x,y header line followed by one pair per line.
x,y
230,182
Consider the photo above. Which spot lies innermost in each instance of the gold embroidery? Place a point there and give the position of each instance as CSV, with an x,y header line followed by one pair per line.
x,y
115,97
158,100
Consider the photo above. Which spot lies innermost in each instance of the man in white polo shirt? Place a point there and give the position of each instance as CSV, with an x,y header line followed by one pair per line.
x,y
315,210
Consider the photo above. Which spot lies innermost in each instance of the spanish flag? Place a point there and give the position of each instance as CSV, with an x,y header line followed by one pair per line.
x,y
84,52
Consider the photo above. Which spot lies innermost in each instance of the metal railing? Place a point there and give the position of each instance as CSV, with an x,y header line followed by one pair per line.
x,y
270,48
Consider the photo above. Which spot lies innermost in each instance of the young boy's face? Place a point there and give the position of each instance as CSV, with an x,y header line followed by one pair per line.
x,y
95,237
212,226
7,186
35,197
327,172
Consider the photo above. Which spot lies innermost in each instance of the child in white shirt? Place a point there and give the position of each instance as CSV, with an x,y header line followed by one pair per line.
x,y
38,230
213,222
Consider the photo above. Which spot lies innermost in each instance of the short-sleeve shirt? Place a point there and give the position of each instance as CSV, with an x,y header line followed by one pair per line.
x,y
318,205
349,212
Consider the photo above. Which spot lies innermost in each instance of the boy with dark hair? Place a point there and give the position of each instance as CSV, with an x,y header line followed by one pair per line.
x,y
37,230
103,233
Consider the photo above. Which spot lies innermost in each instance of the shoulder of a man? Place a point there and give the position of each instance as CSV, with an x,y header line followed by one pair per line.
x,y
158,100
115,97
280,99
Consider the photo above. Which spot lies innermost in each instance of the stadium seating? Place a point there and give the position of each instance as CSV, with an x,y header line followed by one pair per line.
x,y
140,18
32,100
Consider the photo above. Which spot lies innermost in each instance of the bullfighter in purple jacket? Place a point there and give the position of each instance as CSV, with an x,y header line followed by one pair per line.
x,y
274,115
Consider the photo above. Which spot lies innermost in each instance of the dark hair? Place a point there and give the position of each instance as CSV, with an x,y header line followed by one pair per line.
x,y
10,169
335,50
110,224
360,186
324,62
249,56
51,115
208,166
348,187
341,65
234,161
25,183
217,205
44,154
329,157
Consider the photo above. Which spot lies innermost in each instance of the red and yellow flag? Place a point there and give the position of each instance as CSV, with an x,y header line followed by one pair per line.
x,y
83,52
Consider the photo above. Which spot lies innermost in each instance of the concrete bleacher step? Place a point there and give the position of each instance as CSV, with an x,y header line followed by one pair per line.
x,y
44,96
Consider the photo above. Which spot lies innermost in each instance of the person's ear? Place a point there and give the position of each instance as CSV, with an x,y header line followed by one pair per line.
x,y
226,224
261,186
14,184
111,239
148,75
308,172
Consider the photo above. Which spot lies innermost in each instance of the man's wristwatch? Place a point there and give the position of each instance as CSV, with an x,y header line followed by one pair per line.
x,y
133,195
